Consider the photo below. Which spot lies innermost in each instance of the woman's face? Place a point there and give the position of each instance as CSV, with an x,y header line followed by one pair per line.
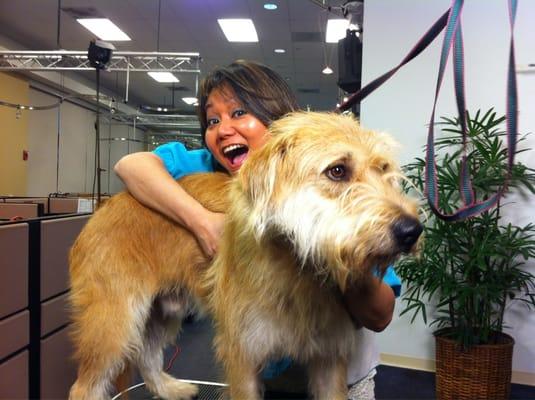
x,y
232,131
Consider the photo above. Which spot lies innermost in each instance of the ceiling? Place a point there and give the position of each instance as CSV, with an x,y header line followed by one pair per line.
x,y
298,26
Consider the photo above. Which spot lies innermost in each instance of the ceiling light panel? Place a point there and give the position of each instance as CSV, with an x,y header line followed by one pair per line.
x,y
238,30
336,30
190,100
104,29
163,77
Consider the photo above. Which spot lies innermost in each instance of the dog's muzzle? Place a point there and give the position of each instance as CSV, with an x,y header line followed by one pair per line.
x,y
406,231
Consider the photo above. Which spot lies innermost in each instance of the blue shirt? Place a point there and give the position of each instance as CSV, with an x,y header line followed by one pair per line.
x,y
179,162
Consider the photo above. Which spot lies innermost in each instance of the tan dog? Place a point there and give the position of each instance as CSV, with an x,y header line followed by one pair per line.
x,y
316,209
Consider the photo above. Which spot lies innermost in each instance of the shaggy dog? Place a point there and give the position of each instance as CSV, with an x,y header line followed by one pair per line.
x,y
315,209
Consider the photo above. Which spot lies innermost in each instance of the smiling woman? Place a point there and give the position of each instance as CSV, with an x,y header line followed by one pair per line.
x,y
232,131
236,105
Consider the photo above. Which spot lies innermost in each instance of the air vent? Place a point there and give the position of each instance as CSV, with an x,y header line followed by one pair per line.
x,y
308,90
82,12
306,37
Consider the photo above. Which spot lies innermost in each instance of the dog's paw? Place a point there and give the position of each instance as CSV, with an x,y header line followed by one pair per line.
x,y
177,390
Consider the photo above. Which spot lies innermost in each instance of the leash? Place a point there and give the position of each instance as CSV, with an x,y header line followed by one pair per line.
x,y
453,39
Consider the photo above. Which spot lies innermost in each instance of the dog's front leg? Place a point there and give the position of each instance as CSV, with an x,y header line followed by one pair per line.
x,y
242,377
328,379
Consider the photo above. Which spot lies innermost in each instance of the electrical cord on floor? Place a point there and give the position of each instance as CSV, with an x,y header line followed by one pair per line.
x,y
169,365
173,358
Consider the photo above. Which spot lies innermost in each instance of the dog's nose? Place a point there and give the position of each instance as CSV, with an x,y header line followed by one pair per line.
x,y
406,232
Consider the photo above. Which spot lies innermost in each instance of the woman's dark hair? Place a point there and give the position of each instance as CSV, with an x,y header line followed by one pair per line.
x,y
261,91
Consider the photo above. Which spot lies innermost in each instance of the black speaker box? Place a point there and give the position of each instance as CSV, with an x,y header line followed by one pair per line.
x,y
350,62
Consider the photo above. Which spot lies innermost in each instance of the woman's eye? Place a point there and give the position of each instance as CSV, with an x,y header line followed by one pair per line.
x,y
337,173
239,113
212,121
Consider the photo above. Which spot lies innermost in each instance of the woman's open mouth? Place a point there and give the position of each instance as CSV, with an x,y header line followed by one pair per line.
x,y
236,154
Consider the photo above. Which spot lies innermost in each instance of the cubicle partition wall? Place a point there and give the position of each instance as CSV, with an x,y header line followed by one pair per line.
x,y
35,351
18,211
14,311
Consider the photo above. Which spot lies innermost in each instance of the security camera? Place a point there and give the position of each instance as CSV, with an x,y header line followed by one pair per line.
x,y
99,53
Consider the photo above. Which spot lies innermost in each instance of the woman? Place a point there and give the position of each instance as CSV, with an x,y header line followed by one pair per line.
x,y
236,105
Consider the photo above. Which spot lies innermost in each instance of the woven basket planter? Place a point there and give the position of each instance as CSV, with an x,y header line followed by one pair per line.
x,y
483,372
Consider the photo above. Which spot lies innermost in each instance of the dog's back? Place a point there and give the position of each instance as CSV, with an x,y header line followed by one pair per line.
x,y
125,238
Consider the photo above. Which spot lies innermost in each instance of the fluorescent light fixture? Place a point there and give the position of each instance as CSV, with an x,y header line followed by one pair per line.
x,y
327,70
104,29
336,30
280,51
163,77
238,30
190,100
270,6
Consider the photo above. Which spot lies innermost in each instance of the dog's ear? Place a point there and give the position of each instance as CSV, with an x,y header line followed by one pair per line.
x,y
259,182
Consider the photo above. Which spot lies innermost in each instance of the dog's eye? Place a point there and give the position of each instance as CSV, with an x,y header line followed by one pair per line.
x,y
337,172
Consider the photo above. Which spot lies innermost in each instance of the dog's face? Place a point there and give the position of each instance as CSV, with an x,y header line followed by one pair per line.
x,y
330,188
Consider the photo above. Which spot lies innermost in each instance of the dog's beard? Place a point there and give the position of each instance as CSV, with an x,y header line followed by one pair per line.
x,y
304,224
326,236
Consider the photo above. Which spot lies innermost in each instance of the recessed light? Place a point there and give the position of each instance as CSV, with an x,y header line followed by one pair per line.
x,y
190,100
104,29
238,30
327,71
270,6
280,51
163,77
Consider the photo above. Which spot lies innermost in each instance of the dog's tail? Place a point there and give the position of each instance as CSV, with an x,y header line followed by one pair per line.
x,y
123,380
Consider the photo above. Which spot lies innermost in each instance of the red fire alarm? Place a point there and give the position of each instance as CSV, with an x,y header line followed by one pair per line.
x,y
25,154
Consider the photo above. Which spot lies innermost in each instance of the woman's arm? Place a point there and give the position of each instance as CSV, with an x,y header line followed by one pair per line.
x,y
371,304
149,182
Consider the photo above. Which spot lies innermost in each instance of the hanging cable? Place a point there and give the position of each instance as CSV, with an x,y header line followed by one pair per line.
x,y
58,148
58,32
31,107
158,36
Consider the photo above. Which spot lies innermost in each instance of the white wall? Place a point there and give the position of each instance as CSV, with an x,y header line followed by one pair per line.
x,y
76,148
403,106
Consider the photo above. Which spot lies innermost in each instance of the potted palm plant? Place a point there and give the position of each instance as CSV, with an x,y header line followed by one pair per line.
x,y
471,270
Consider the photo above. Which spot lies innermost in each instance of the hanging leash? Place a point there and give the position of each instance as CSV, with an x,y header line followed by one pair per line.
x,y
422,44
453,39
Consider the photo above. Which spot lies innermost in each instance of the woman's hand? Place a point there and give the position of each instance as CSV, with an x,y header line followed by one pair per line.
x,y
208,230
371,304
149,182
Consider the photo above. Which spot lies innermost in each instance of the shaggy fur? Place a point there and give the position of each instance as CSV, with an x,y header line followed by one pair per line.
x,y
316,209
